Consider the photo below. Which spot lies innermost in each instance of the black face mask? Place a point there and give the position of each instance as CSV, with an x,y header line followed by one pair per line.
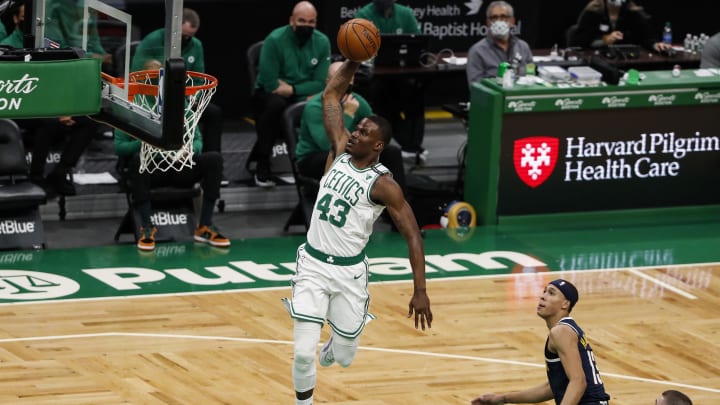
x,y
383,5
303,33
185,41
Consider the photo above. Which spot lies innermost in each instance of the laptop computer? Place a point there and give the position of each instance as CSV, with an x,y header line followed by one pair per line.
x,y
401,50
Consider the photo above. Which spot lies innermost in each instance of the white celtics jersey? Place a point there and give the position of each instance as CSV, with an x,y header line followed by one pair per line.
x,y
344,214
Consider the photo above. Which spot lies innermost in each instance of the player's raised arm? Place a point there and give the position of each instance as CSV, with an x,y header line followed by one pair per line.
x,y
333,110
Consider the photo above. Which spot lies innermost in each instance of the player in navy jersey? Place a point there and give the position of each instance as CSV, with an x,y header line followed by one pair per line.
x,y
573,376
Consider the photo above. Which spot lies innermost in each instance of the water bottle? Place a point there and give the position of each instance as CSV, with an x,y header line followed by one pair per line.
x,y
687,44
695,43
667,33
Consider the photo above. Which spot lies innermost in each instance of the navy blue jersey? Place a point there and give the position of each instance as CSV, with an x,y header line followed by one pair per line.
x,y
595,391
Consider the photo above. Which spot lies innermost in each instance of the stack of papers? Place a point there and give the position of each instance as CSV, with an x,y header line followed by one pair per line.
x,y
454,60
553,74
93,178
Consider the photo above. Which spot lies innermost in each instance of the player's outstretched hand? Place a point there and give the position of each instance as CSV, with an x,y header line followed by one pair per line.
x,y
488,399
420,305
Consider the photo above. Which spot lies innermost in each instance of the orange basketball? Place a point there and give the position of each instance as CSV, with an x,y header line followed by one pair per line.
x,y
358,39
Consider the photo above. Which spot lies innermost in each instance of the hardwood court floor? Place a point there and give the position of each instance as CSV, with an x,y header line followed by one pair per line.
x,y
650,330
191,325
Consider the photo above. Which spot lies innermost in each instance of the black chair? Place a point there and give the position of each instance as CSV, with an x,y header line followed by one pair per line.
x,y
19,198
253,59
173,209
570,36
307,187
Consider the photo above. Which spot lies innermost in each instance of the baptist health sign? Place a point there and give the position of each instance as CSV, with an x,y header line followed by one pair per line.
x,y
50,88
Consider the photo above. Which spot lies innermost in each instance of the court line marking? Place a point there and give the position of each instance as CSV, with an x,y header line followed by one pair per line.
x,y
662,284
365,348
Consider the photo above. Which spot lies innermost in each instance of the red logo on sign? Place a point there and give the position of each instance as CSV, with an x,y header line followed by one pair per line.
x,y
535,158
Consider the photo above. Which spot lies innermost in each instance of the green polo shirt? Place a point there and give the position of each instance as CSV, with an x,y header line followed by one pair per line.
x,y
15,39
153,47
64,25
303,67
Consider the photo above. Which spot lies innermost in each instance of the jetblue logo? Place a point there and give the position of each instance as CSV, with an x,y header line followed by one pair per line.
x,y
13,227
162,218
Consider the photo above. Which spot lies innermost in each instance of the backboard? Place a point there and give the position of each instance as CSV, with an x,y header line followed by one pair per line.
x,y
104,30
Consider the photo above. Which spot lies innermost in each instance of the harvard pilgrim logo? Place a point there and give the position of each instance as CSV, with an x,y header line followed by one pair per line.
x,y
535,158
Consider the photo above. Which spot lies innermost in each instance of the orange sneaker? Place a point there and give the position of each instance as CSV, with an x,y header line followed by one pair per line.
x,y
146,241
206,234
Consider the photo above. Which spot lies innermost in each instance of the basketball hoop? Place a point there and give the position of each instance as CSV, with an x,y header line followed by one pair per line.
x,y
143,91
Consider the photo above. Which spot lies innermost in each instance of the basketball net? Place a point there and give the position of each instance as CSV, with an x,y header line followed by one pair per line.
x,y
199,89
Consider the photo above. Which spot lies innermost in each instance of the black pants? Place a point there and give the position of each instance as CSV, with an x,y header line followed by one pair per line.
x,y
47,131
402,102
268,112
207,170
313,165
211,126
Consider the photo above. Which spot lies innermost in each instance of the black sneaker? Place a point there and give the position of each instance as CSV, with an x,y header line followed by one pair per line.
x,y
265,182
262,177
61,184
418,156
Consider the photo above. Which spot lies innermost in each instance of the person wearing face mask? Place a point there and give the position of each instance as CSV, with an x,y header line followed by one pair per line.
x,y
500,45
313,144
400,100
611,22
710,57
293,66
152,47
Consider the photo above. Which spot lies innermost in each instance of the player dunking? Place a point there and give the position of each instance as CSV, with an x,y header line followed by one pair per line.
x,y
331,282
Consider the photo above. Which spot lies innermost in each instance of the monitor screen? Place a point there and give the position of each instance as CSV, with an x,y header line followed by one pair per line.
x,y
402,49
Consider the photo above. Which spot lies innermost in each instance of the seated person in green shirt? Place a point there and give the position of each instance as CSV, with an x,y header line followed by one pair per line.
x,y
12,21
293,65
313,144
207,170
152,47
400,100
63,24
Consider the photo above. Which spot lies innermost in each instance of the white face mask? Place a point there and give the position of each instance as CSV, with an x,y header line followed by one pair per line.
x,y
499,29
616,3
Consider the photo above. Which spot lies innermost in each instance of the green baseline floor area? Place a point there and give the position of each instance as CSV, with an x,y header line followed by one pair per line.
x,y
562,243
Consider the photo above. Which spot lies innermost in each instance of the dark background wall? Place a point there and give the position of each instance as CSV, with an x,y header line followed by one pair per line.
x,y
228,27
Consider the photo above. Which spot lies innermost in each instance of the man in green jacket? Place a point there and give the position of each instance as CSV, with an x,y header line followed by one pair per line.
x,y
64,25
152,47
293,65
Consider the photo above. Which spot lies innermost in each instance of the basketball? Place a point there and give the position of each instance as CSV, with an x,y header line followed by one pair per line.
x,y
358,40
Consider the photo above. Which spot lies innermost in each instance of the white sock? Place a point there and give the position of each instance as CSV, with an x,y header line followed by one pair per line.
x,y
303,401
